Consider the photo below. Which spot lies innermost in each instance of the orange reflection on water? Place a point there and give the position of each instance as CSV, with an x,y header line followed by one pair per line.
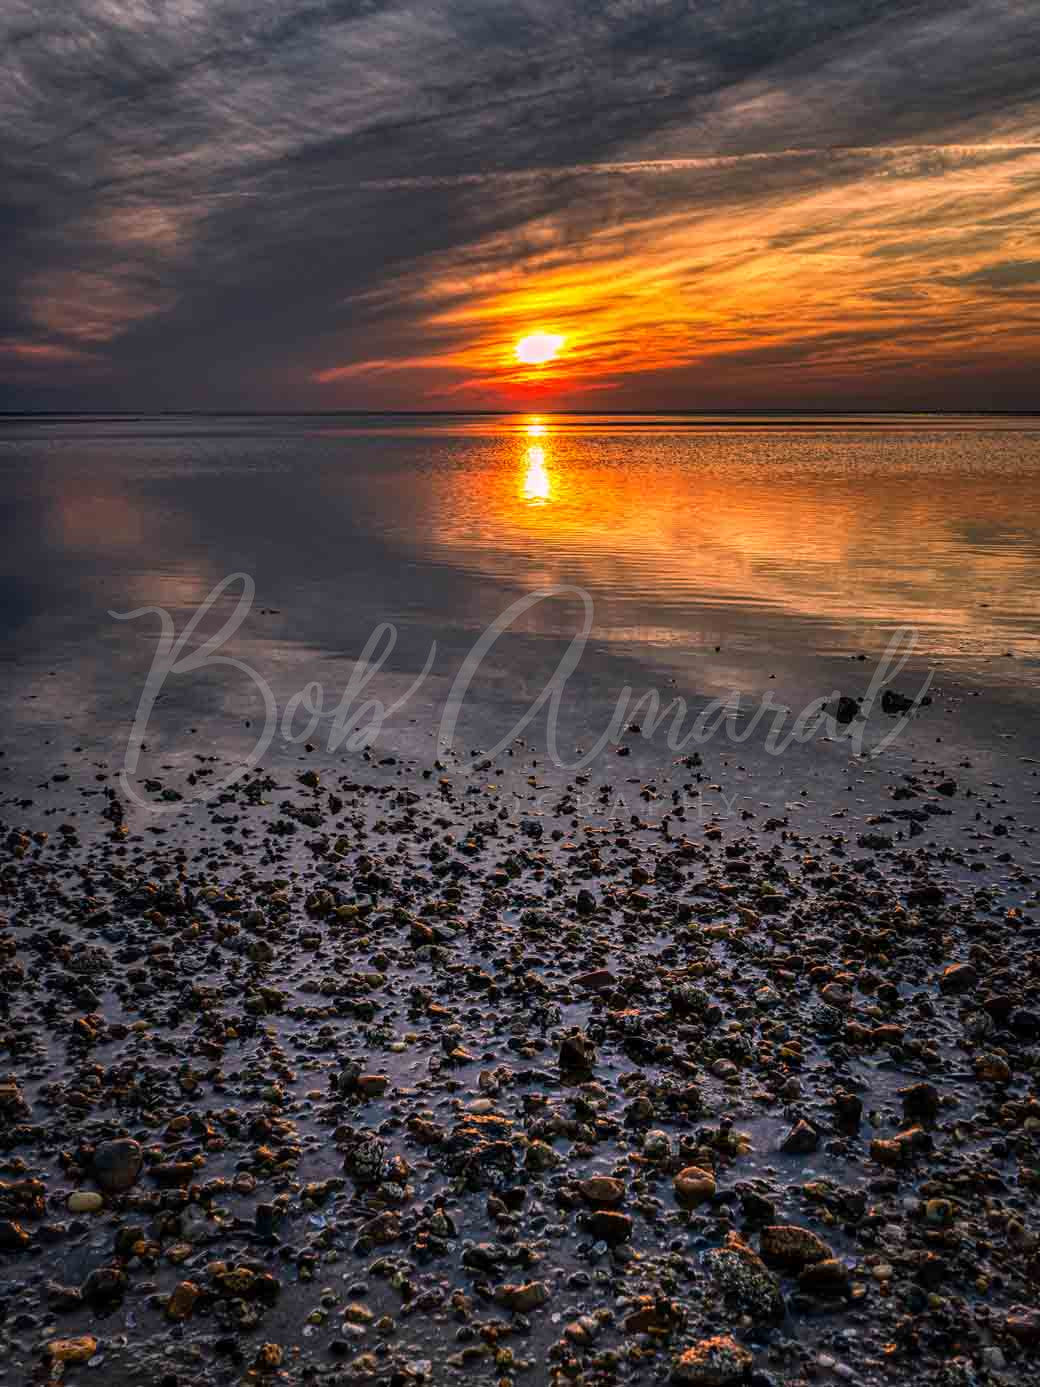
x,y
537,484
855,529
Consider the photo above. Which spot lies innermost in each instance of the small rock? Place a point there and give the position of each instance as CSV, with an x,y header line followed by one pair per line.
x,y
958,977
920,1102
829,1277
602,1190
182,1301
73,1350
13,1236
372,1085
693,1186
269,1356
745,1280
85,1202
117,1164
522,1299
800,1140
611,1226
712,1363
577,1052
787,1245
1023,1324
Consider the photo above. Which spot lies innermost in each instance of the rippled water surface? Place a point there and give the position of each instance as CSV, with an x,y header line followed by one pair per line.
x,y
780,535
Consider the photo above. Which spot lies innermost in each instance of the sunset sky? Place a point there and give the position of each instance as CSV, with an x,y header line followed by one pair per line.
x,y
348,204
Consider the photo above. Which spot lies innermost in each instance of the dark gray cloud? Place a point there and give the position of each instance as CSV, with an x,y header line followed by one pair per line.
x,y
1008,275
202,200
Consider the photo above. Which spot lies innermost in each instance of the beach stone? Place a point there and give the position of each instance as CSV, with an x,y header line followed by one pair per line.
x,y
693,1186
13,1236
920,1102
117,1164
800,1140
712,1363
611,1226
828,1277
602,1190
373,1085
847,709
938,1213
105,1286
958,977
182,1301
1023,1325
73,1350
657,1145
541,1156
787,1245
849,1110
577,1052
522,1299
745,1279
599,980
835,995
85,1202
992,1069
899,1150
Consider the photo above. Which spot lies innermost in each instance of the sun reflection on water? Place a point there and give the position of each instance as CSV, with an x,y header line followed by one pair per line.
x,y
536,483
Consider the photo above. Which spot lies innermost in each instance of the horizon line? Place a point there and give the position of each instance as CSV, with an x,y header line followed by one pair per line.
x,y
456,413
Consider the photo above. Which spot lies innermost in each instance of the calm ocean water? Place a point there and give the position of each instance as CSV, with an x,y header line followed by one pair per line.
x,y
777,540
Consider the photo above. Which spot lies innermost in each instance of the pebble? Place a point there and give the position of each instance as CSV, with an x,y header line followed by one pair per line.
x,y
713,1363
85,1202
117,1164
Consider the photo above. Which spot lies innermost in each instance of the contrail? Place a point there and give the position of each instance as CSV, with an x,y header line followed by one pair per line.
x,y
698,164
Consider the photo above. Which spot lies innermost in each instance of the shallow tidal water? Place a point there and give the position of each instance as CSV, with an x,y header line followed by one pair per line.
x,y
716,554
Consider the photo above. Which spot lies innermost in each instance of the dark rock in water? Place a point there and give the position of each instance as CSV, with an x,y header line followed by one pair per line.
x,y
787,1245
920,1102
756,1208
586,902
745,1280
901,1149
927,893
849,1109
172,1173
13,1237
958,977
600,980
117,1164
1025,1023
266,1222
826,1278
105,1286
1023,1324
847,709
712,1363
800,1140
893,703
602,1191
577,1052
611,1226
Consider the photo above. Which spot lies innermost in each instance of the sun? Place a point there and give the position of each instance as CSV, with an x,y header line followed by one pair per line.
x,y
538,348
